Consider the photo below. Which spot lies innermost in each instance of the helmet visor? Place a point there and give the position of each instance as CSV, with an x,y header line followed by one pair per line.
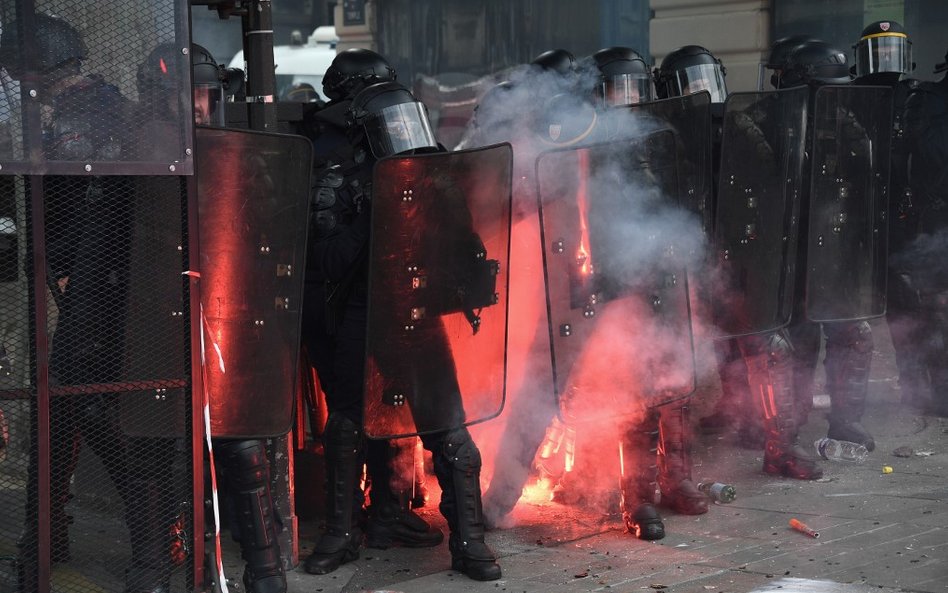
x,y
889,53
399,128
625,89
694,79
209,105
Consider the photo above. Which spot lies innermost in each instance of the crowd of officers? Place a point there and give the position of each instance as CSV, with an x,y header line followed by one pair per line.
x,y
767,379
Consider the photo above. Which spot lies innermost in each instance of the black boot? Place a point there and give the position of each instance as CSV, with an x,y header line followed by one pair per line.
x,y
340,543
645,523
391,521
457,464
257,523
639,480
848,355
679,493
770,372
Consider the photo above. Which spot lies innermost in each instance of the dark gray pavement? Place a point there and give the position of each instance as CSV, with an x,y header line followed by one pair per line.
x,y
878,532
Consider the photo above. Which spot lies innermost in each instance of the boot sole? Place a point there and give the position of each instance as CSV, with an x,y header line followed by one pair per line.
x,y
386,542
492,573
348,556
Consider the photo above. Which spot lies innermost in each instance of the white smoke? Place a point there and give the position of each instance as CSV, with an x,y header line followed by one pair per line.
x,y
626,356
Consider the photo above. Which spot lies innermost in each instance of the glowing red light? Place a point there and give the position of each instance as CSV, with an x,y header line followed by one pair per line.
x,y
164,67
582,255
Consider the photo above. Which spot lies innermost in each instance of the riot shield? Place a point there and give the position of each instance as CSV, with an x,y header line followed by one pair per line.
x,y
758,202
690,117
847,236
438,270
617,291
253,192
107,69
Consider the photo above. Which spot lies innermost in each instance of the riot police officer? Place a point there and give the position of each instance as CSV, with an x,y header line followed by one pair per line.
x,y
509,112
86,220
362,123
687,70
926,142
390,518
243,463
777,57
848,344
764,132
883,56
663,436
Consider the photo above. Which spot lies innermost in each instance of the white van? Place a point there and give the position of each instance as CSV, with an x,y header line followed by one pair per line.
x,y
300,63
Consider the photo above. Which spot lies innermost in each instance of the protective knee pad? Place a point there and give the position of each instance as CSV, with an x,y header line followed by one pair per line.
x,y
246,463
460,451
343,430
248,475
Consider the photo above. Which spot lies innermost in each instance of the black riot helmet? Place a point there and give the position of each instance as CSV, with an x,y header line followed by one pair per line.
x,y
624,77
814,63
57,45
392,120
494,108
354,69
883,48
207,84
688,70
159,74
556,60
565,119
779,52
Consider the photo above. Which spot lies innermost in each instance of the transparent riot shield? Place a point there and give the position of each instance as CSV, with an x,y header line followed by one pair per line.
x,y
758,202
438,265
617,291
253,192
690,117
847,237
80,81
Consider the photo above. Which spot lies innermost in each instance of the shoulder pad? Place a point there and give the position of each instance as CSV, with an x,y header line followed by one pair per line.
x,y
331,176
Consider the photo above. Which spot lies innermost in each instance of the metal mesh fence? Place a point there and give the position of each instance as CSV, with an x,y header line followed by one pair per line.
x,y
98,440
96,458
84,83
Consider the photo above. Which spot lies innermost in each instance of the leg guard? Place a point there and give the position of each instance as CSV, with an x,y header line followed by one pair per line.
x,y
908,325
390,518
734,389
345,454
805,338
770,372
457,464
639,480
248,478
848,354
674,463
